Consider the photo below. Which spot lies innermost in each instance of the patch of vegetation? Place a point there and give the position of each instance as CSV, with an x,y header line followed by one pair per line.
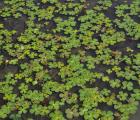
x,y
61,59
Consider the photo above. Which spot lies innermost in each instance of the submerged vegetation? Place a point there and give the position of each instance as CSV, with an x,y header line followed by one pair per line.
x,y
69,59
